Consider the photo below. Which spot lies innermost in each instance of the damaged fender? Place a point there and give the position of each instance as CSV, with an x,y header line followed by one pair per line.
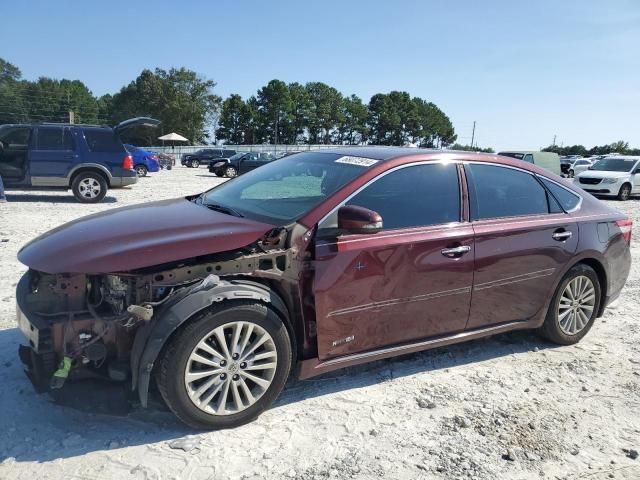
x,y
150,339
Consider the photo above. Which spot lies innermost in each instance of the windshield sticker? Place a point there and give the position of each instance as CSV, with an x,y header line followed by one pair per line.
x,y
360,161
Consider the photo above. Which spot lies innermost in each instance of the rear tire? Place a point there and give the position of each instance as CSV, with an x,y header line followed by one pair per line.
x,y
141,170
217,400
624,193
574,306
89,187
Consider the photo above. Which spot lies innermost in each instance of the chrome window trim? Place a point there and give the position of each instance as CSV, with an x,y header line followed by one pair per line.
x,y
533,174
399,167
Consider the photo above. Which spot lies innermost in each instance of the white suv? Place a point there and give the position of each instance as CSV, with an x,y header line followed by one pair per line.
x,y
617,176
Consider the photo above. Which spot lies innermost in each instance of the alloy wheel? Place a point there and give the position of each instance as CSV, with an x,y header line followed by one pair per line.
x,y
89,187
230,368
576,305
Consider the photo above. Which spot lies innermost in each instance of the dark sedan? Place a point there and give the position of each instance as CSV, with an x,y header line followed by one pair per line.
x,y
241,162
205,156
311,263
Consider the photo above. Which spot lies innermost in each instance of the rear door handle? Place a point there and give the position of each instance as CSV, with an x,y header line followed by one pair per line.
x,y
456,251
561,236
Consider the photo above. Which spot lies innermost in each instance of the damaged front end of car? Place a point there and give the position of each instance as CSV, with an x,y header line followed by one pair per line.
x,y
113,326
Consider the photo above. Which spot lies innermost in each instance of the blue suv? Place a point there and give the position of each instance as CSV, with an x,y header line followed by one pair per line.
x,y
88,159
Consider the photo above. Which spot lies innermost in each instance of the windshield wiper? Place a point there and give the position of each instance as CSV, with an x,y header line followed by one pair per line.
x,y
223,209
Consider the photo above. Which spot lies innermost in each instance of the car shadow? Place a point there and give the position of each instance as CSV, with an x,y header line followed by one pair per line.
x,y
91,415
20,197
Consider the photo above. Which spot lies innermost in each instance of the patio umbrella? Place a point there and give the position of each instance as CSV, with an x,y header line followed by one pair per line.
x,y
172,137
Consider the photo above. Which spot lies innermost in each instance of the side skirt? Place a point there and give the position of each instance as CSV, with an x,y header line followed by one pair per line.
x,y
313,366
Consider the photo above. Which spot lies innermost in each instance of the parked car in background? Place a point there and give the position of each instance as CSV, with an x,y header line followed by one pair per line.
x,y
548,160
411,250
205,156
579,166
240,163
88,159
612,176
143,161
166,160
566,162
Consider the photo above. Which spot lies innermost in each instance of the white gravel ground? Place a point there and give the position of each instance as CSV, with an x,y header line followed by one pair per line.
x,y
509,407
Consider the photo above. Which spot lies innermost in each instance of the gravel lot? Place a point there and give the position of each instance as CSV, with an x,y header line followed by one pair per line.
x,y
509,407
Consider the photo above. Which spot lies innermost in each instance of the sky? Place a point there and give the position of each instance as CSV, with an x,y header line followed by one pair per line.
x,y
525,72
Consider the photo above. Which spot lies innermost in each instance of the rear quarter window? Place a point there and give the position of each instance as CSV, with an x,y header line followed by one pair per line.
x,y
567,199
103,141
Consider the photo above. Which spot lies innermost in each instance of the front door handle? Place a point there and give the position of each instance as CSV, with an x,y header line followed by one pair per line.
x,y
562,235
456,251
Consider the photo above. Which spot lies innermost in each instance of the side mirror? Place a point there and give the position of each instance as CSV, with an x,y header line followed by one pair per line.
x,y
355,219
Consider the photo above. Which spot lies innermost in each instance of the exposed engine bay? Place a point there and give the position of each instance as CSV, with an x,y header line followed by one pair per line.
x,y
81,325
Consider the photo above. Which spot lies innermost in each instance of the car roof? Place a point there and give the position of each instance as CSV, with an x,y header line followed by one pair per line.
x,y
44,124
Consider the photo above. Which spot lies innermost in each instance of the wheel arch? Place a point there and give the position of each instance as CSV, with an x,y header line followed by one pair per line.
x,y
601,272
99,169
151,339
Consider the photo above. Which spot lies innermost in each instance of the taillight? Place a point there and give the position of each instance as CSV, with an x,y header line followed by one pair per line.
x,y
625,227
153,157
127,162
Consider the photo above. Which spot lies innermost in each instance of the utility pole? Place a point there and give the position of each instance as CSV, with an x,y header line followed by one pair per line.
x,y
473,134
554,140
72,117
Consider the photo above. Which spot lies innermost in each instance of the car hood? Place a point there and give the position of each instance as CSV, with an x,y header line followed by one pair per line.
x,y
603,174
140,236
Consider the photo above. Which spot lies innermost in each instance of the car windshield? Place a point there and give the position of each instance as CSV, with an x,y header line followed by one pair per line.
x,y
282,191
613,165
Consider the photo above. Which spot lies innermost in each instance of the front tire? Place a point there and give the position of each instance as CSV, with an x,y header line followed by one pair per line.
x,y
195,163
226,366
574,306
230,171
572,174
624,193
89,187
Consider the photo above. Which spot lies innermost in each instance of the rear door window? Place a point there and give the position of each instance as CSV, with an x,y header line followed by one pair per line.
x,y
504,192
54,138
103,141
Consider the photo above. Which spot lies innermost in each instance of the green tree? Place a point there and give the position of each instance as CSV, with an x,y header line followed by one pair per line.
x,y
469,148
324,112
274,105
354,128
182,100
299,115
233,120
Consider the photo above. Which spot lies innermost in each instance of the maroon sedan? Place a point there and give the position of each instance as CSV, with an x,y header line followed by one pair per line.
x,y
311,263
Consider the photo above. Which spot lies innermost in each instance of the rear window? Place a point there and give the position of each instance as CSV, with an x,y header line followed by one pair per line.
x,y
103,141
515,155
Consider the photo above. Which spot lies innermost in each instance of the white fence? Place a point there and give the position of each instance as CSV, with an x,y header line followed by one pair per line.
x,y
178,150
